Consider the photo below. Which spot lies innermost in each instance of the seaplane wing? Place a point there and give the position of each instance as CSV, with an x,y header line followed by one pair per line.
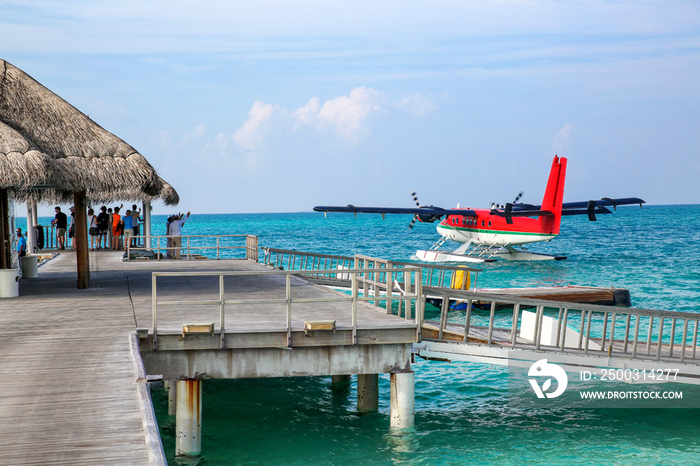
x,y
590,208
430,211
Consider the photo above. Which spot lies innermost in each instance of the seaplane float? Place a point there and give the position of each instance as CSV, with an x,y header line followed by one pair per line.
x,y
502,230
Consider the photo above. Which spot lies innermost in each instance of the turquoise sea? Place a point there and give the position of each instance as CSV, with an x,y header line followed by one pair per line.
x,y
462,411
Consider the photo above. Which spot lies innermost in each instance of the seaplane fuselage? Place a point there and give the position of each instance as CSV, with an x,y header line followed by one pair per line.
x,y
490,230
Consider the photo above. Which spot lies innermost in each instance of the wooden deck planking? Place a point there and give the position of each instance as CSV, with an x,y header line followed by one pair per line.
x,y
66,374
244,317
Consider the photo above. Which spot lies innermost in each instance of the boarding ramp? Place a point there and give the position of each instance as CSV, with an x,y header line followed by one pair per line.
x,y
581,335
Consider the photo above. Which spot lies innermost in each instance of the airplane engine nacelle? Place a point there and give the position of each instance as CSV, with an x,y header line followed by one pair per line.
x,y
432,216
425,218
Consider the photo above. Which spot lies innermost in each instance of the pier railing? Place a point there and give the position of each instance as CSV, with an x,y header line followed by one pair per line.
x,y
414,304
285,259
51,242
568,328
446,276
221,246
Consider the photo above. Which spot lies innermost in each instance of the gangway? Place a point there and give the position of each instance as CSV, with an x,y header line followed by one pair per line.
x,y
580,335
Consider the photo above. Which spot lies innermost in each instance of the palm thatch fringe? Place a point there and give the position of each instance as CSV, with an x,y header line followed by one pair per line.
x,y
21,164
82,155
51,196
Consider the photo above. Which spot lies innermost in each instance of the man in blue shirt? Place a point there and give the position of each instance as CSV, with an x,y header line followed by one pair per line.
x,y
128,229
21,244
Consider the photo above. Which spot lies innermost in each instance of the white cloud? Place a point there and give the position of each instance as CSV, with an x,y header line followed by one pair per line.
x,y
416,104
345,113
248,136
307,113
561,142
194,134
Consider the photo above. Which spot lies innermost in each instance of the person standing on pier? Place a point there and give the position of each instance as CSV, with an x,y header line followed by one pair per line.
x,y
61,223
71,228
21,244
128,228
110,214
117,227
92,230
102,226
176,232
135,223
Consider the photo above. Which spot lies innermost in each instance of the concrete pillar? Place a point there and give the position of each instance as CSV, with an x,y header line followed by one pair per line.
x,y
171,387
31,233
188,420
402,400
146,211
35,214
367,393
339,382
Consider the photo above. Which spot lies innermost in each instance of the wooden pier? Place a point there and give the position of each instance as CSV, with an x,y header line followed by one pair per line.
x,y
73,394
74,362
70,391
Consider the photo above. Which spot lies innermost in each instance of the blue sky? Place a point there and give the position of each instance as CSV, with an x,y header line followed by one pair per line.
x,y
277,106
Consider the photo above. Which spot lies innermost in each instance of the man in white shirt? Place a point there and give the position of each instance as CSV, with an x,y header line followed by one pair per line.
x,y
176,232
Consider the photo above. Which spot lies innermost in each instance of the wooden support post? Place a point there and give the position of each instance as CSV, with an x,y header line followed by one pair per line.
x,y
188,420
402,400
81,240
6,242
367,393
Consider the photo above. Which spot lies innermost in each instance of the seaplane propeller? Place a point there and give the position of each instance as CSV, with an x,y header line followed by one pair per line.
x,y
425,218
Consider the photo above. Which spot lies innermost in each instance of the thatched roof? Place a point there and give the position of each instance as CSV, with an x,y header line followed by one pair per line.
x,y
45,141
52,196
21,164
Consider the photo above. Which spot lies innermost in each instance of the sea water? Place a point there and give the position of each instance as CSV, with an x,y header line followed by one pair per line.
x,y
462,414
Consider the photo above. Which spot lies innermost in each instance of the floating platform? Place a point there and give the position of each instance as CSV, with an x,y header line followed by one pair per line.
x,y
570,294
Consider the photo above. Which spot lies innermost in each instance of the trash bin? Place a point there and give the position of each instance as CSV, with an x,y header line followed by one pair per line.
x,y
9,283
29,267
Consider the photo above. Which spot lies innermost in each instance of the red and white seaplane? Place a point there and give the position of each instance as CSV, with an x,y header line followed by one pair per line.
x,y
501,231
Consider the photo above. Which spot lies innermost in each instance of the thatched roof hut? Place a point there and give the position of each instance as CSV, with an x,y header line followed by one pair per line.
x,y
50,152
47,143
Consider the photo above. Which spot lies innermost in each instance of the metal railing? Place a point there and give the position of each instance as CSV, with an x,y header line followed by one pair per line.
x,y
432,274
50,240
354,297
570,328
285,259
195,244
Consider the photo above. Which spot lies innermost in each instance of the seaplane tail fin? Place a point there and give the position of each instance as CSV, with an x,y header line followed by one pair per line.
x,y
553,197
